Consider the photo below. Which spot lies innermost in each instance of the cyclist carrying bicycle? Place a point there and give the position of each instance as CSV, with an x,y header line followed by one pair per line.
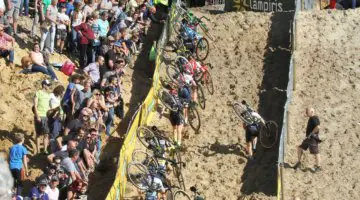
x,y
155,186
176,117
252,130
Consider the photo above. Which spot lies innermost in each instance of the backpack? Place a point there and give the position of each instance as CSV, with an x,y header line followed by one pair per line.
x,y
68,68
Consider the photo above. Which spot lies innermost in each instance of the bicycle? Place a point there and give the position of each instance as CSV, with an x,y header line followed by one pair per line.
x,y
182,195
169,101
268,133
158,163
200,44
145,180
175,73
204,77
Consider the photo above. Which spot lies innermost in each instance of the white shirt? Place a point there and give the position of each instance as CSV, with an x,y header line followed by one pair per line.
x,y
62,17
2,4
52,193
54,101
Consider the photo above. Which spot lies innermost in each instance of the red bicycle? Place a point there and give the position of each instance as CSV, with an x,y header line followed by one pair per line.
x,y
203,76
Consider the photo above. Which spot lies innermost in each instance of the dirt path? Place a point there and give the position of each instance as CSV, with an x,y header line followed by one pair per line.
x,y
327,78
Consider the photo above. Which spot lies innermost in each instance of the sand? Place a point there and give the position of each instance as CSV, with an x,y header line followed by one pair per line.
x,y
328,79
16,94
215,157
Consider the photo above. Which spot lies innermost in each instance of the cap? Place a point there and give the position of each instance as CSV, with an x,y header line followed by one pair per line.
x,y
54,178
43,181
46,82
62,5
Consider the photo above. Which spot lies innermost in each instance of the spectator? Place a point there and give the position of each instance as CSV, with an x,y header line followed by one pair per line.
x,y
50,26
77,19
63,23
52,190
41,107
63,152
118,72
3,21
103,25
7,46
39,64
18,159
55,115
93,70
38,192
311,141
69,7
73,85
13,13
24,4
86,35
39,15
69,165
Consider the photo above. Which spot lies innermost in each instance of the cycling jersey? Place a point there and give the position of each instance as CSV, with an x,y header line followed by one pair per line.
x,y
155,186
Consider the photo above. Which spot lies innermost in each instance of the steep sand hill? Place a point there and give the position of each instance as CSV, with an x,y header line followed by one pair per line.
x,y
215,157
328,79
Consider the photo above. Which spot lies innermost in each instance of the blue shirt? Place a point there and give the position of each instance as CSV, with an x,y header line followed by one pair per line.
x,y
69,8
36,193
67,95
16,155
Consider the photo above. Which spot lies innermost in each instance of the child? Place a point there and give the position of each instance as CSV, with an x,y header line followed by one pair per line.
x,y
18,159
64,21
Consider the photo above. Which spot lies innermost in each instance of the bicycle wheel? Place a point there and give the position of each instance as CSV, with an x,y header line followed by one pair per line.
x,y
242,112
177,170
268,134
183,64
201,97
144,158
181,195
194,118
208,81
138,175
173,72
202,49
167,99
144,135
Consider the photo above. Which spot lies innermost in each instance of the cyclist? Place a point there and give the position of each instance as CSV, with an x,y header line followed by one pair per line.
x,y
252,130
176,117
155,186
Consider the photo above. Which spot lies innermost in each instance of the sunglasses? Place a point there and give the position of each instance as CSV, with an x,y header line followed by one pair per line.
x,y
97,94
1,30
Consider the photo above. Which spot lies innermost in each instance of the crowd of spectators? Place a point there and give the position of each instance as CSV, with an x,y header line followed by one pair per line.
x,y
103,35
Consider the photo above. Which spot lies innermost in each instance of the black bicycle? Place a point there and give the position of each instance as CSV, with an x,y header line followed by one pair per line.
x,y
268,134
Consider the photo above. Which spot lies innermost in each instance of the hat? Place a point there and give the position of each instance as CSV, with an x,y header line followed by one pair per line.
x,y
46,82
43,181
54,178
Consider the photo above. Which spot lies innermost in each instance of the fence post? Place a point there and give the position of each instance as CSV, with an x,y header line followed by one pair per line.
x,y
282,180
287,128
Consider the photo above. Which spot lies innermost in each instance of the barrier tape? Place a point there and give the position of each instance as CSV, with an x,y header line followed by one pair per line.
x,y
142,117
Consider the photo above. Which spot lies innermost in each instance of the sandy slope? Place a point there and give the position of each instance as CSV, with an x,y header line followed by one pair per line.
x,y
17,91
327,78
215,157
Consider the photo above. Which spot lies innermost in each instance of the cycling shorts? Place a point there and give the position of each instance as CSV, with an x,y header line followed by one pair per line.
x,y
185,94
251,132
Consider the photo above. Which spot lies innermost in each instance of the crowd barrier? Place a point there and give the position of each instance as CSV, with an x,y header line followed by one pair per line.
x,y
290,88
141,117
